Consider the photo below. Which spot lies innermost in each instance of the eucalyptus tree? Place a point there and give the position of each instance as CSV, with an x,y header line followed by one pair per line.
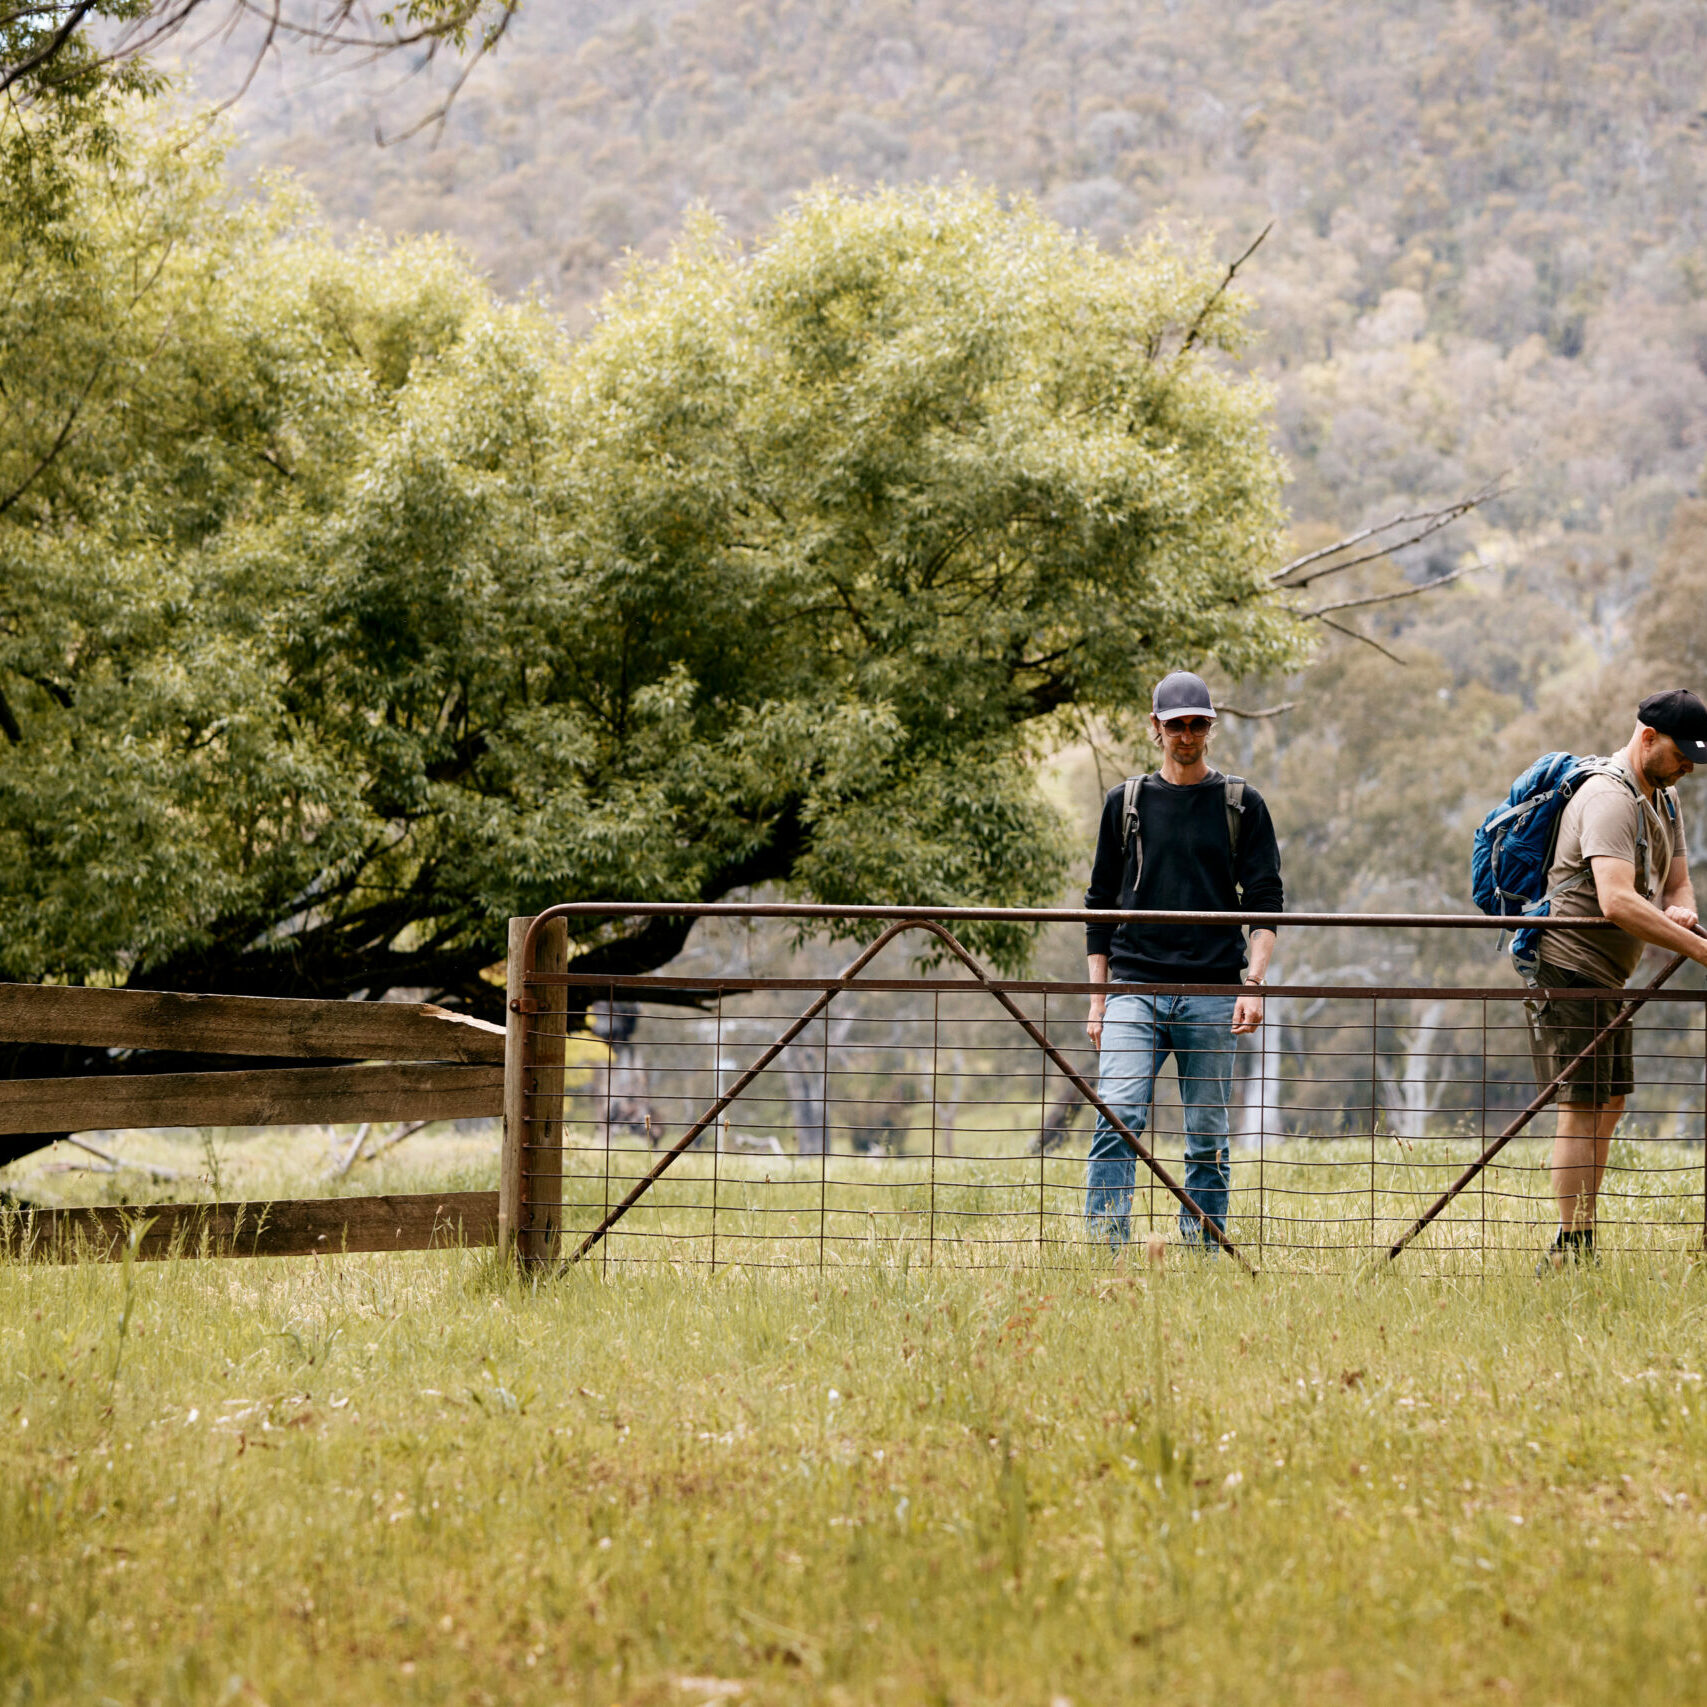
x,y
350,612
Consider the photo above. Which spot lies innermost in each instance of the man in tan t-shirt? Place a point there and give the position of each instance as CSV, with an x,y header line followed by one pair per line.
x,y
1620,855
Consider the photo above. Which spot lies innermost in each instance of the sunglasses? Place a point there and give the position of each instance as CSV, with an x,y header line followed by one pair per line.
x,y
1188,725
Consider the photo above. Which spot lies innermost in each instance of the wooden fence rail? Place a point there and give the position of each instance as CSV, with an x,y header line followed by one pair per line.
x,y
415,1221
245,1025
393,1061
286,1096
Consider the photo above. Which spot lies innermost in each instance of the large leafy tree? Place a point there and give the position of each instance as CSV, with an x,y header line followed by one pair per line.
x,y
347,612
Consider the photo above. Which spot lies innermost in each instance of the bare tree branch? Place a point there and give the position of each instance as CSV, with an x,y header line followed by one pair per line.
x,y
1422,522
389,1142
331,26
1402,593
436,118
349,1158
1352,634
273,22
1349,541
1220,290
117,1163
395,1138
1267,710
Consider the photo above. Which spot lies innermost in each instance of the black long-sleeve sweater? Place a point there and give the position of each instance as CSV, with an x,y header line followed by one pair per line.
x,y
1188,867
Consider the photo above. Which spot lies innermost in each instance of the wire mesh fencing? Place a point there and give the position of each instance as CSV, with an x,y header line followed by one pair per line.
x,y
944,1119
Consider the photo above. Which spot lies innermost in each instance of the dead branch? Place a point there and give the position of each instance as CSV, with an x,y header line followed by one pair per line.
x,y
1220,290
354,1154
1267,710
1423,524
1352,634
275,19
436,118
406,1131
1402,593
1350,540
333,27
349,1158
117,1163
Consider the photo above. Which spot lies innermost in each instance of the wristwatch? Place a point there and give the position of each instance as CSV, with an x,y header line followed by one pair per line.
x,y
1256,983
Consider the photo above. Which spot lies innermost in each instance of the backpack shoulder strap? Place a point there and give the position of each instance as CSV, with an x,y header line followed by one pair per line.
x,y
1644,854
1234,789
1131,834
1583,874
1129,811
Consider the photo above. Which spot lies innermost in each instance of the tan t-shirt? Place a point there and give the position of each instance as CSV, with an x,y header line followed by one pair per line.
x,y
1600,821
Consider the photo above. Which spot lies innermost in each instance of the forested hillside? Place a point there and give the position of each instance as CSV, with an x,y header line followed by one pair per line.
x,y
1487,255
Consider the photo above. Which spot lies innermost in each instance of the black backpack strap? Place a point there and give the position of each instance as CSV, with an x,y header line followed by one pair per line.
x,y
1234,786
1131,836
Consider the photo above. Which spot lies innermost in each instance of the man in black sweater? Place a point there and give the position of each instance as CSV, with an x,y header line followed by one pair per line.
x,y
1184,839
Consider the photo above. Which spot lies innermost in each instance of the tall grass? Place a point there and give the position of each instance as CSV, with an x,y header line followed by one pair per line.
x,y
419,1479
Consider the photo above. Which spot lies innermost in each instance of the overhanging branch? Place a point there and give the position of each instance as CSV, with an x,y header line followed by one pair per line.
x,y
1220,290
1388,598
1422,523
1352,634
1267,710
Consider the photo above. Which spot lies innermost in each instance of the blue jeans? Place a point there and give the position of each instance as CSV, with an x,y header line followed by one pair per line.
x,y
1138,1035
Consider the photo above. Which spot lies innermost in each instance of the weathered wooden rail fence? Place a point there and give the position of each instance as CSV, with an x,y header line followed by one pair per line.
x,y
370,1061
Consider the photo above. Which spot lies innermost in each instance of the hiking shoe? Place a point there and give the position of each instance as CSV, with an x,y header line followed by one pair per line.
x,y
1575,1246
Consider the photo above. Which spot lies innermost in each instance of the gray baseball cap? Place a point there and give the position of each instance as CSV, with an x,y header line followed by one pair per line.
x,y
1181,695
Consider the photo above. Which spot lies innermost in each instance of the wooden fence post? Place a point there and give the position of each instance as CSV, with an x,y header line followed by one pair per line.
x,y
530,1178
515,1107
544,1064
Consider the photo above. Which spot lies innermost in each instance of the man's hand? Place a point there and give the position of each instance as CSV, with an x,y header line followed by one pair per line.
x,y
1615,888
1247,1015
1096,972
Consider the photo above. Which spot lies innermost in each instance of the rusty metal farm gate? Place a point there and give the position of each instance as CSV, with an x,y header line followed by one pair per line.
x,y
940,1113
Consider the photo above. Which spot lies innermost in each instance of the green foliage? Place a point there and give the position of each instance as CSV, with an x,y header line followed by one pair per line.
x,y
57,100
352,612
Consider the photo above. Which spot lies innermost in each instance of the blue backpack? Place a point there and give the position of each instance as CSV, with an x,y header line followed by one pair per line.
x,y
1514,849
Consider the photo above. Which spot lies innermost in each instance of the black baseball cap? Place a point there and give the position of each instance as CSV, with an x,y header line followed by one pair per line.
x,y
1679,714
1181,695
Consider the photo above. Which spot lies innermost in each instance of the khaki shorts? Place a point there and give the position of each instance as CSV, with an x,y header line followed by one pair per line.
x,y
1560,1029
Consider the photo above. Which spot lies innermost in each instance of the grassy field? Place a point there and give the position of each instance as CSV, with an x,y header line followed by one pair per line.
x,y
416,1479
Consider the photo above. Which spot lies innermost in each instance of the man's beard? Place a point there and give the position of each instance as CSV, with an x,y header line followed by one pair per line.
x,y
1659,772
